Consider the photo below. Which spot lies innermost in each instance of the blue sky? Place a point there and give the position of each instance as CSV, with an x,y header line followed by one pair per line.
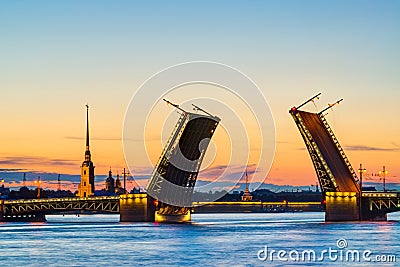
x,y
58,55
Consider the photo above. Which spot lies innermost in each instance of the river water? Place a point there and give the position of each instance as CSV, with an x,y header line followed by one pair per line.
x,y
210,240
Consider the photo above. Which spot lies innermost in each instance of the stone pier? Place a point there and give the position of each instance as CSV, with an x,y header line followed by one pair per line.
x,y
136,208
342,206
345,206
1,209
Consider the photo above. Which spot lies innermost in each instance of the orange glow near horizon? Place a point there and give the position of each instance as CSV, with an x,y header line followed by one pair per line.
x,y
59,147
292,164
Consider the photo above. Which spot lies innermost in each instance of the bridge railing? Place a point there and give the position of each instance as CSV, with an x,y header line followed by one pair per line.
x,y
381,194
44,200
108,204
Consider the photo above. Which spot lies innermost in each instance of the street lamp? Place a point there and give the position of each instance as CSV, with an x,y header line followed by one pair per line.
x,y
361,170
38,182
125,174
383,174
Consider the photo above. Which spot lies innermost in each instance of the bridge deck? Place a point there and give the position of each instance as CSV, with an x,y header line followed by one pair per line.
x,y
329,150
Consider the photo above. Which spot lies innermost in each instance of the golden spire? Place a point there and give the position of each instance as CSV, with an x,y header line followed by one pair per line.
x,y
246,195
87,152
87,127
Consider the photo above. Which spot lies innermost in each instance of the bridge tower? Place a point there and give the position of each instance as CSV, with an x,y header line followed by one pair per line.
x,y
173,179
86,186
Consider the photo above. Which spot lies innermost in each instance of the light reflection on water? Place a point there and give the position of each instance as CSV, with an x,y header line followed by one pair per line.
x,y
210,240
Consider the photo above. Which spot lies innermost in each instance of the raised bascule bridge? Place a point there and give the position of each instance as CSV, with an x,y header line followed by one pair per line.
x,y
169,190
340,185
174,177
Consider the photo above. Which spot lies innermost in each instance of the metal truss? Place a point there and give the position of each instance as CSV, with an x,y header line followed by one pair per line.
x,y
59,205
157,178
382,201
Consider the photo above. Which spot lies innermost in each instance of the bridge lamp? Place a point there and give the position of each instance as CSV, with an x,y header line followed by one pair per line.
x,y
361,170
383,174
380,173
38,182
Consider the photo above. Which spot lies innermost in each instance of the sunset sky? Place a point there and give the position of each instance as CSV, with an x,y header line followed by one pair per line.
x,y
56,56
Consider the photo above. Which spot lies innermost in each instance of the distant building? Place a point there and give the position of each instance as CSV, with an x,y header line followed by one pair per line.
x,y
118,186
110,183
86,186
4,191
368,188
118,183
135,190
113,186
246,195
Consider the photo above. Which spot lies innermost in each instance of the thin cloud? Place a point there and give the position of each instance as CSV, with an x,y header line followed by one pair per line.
x,y
80,138
12,169
94,138
232,174
370,148
35,160
365,148
395,144
283,142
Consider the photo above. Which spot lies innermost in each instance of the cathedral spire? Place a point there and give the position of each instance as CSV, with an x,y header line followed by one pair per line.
x,y
87,127
86,186
87,151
